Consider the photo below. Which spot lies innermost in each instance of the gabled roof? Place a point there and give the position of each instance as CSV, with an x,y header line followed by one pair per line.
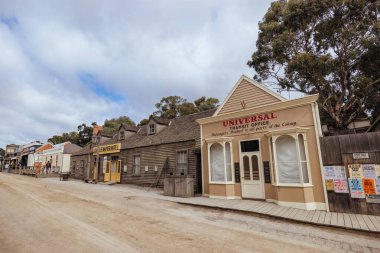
x,y
71,148
246,94
128,127
159,120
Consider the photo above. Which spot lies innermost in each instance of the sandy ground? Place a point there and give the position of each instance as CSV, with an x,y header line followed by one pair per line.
x,y
48,215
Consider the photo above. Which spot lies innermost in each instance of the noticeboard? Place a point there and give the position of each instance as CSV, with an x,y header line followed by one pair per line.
x,y
237,172
266,172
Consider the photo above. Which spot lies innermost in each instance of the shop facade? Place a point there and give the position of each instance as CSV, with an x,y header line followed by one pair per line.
x,y
258,145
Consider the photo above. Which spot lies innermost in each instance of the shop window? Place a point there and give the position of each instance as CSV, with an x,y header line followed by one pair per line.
x,y
289,159
220,162
136,165
182,162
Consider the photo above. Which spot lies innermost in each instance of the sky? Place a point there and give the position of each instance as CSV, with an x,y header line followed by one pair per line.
x,y
67,62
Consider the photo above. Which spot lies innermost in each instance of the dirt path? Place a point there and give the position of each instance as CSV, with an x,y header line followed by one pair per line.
x,y
46,215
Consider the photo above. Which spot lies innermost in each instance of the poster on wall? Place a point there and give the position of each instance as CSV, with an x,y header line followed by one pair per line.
x,y
369,171
340,172
356,188
329,184
369,185
340,186
329,172
104,164
356,170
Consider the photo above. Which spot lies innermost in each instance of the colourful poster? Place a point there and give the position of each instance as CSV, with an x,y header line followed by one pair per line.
x,y
329,184
340,186
356,170
340,172
369,185
329,172
369,171
356,188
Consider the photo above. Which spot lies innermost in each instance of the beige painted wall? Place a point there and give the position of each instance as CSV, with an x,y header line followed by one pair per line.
x,y
301,116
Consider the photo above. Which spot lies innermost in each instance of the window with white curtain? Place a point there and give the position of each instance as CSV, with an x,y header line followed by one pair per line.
x,y
289,159
182,162
136,165
220,162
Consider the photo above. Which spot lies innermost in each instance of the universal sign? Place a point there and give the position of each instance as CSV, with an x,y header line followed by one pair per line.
x,y
255,120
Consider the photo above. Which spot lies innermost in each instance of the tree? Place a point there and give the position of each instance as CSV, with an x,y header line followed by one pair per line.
x,y
114,123
143,122
169,107
174,106
71,137
84,134
320,46
204,104
2,152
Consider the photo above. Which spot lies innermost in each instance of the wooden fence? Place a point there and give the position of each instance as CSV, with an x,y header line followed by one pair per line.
x,y
339,150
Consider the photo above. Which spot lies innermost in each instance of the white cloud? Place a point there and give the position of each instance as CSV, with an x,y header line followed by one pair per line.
x,y
138,50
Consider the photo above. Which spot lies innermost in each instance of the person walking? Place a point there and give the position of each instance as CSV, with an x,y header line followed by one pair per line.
x,y
48,166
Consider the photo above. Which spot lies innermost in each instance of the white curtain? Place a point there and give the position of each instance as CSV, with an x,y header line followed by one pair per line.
x,y
182,162
217,163
287,160
303,160
228,161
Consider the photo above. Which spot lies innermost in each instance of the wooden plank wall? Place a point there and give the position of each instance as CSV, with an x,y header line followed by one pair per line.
x,y
338,150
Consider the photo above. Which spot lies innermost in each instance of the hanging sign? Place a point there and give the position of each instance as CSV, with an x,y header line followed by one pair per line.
x,y
356,188
369,185
340,186
360,155
369,171
356,170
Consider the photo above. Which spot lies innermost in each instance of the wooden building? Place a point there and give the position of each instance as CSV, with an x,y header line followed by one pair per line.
x,y
145,155
258,145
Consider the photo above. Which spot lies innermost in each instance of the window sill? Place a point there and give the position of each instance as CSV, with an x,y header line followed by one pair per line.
x,y
294,185
222,183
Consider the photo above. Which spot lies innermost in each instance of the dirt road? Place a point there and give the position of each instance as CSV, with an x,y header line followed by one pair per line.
x,y
46,215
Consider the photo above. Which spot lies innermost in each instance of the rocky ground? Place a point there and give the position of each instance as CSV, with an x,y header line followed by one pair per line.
x,y
48,215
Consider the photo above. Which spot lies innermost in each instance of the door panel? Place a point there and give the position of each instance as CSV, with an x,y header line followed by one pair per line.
x,y
251,183
107,174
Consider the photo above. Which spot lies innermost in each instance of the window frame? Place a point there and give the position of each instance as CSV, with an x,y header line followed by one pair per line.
x,y
272,137
151,127
187,160
122,135
222,142
134,166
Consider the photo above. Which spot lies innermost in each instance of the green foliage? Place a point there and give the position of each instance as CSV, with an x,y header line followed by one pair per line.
x,y
330,47
71,137
114,123
174,106
84,134
143,122
2,152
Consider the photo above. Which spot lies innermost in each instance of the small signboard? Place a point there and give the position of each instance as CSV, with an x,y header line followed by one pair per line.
x,y
340,172
377,185
369,185
360,155
373,199
266,172
356,170
356,188
237,172
340,186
